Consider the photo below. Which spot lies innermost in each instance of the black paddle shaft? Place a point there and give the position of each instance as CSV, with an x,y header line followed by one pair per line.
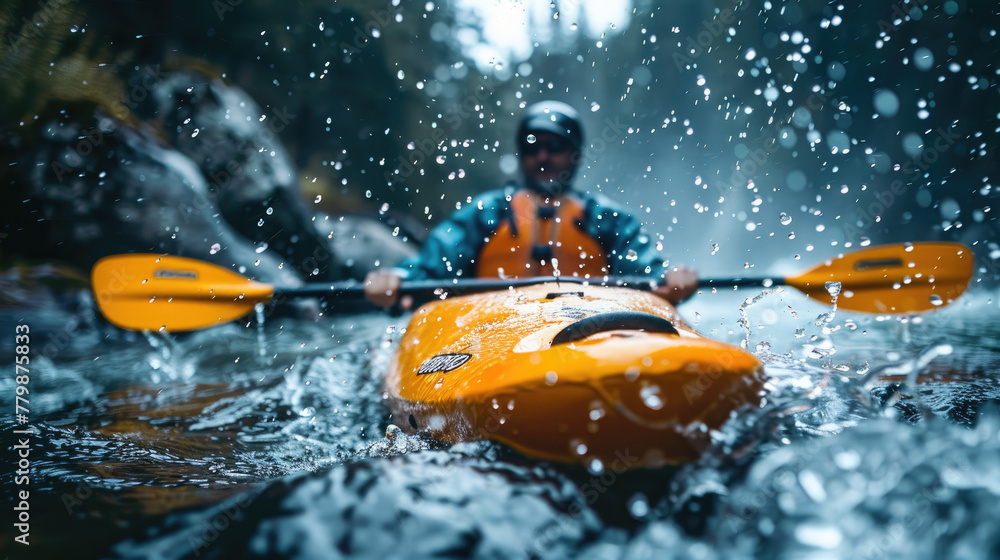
x,y
353,289
428,289
740,282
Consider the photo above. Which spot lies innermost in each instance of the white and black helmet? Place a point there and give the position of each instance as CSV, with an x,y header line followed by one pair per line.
x,y
552,116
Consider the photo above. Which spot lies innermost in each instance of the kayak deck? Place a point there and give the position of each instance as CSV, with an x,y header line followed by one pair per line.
x,y
569,373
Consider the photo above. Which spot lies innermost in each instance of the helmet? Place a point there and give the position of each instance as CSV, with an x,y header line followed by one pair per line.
x,y
555,117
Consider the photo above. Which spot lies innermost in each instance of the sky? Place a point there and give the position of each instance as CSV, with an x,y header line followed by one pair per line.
x,y
510,29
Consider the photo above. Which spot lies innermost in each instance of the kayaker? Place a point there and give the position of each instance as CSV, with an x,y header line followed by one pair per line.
x,y
537,228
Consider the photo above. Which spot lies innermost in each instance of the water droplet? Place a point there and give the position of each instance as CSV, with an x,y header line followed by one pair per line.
x,y
785,219
819,535
913,144
886,103
215,249
531,139
638,505
936,300
650,395
836,71
847,460
596,410
319,197
833,288
923,59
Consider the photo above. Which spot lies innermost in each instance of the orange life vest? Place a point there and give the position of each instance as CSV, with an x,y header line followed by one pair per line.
x,y
537,231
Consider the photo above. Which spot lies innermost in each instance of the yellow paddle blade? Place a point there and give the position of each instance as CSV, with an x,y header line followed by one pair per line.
x,y
903,278
160,292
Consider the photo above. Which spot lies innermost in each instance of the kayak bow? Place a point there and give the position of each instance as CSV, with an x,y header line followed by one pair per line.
x,y
572,375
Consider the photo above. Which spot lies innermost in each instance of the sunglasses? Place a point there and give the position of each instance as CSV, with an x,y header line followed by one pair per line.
x,y
551,145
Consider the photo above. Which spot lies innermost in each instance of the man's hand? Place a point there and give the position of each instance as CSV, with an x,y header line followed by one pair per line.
x,y
680,284
382,289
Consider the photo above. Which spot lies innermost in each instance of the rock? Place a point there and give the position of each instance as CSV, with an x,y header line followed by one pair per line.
x,y
83,185
249,175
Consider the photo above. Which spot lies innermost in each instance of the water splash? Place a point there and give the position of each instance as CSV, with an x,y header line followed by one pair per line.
x,y
166,358
744,320
823,346
395,443
261,338
906,373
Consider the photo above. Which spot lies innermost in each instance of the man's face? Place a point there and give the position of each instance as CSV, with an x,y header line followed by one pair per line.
x,y
548,162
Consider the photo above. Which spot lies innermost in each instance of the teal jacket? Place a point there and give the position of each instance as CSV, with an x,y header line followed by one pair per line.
x,y
453,246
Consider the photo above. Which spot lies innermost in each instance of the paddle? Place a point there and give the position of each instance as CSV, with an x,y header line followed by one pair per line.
x,y
161,292
900,278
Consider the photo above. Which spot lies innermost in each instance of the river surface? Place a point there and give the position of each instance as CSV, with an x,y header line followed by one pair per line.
x,y
878,438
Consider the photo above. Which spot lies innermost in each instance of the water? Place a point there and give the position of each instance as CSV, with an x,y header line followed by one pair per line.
x,y
877,439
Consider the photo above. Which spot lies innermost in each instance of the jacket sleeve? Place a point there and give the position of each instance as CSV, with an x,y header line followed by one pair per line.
x,y
629,249
452,247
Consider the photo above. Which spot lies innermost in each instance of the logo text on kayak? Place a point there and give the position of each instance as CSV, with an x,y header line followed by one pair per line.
x,y
443,363
167,273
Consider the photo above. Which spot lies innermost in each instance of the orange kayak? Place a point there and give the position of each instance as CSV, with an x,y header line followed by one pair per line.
x,y
569,373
